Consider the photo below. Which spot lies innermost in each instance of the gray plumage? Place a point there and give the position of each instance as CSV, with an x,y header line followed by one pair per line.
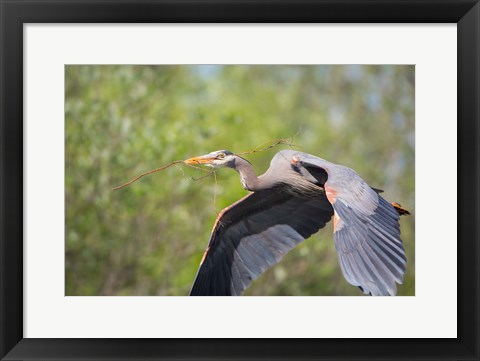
x,y
292,200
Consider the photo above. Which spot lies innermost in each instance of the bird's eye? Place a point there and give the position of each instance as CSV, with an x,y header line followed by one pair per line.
x,y
221,155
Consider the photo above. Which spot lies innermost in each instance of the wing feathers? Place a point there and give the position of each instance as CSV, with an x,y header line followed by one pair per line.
x,y
254,234
370,249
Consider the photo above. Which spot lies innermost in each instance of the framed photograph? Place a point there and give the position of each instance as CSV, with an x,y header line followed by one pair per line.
x,y
122,123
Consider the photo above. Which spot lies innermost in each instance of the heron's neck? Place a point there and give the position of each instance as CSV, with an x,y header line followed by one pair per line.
x,y
248,177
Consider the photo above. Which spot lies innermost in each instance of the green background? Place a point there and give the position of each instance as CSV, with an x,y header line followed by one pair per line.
x,y
148,238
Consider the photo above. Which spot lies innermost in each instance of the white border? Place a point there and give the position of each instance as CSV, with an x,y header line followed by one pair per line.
x,y
431,313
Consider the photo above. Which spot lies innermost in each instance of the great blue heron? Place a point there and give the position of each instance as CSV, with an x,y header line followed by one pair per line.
x,y
292,200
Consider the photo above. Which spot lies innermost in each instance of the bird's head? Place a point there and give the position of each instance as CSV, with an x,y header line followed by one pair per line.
x,y
217,159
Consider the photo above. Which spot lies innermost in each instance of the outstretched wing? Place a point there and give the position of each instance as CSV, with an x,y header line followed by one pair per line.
x,y
366,230
369,248
255,233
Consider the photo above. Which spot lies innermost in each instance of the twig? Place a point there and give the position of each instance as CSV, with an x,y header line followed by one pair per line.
x,y
147,173
286,141
203,176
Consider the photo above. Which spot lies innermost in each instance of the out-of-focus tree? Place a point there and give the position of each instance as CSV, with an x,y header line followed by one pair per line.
x,y
148,238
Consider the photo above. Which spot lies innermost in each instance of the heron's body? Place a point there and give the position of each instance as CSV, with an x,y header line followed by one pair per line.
x,y
292,200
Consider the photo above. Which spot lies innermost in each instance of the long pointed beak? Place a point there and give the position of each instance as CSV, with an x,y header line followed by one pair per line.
x,y
204,159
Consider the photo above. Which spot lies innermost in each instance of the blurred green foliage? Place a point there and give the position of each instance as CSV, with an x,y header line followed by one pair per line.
x,y
148,238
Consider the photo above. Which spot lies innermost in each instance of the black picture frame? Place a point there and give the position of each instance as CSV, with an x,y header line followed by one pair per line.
x,y
465,13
